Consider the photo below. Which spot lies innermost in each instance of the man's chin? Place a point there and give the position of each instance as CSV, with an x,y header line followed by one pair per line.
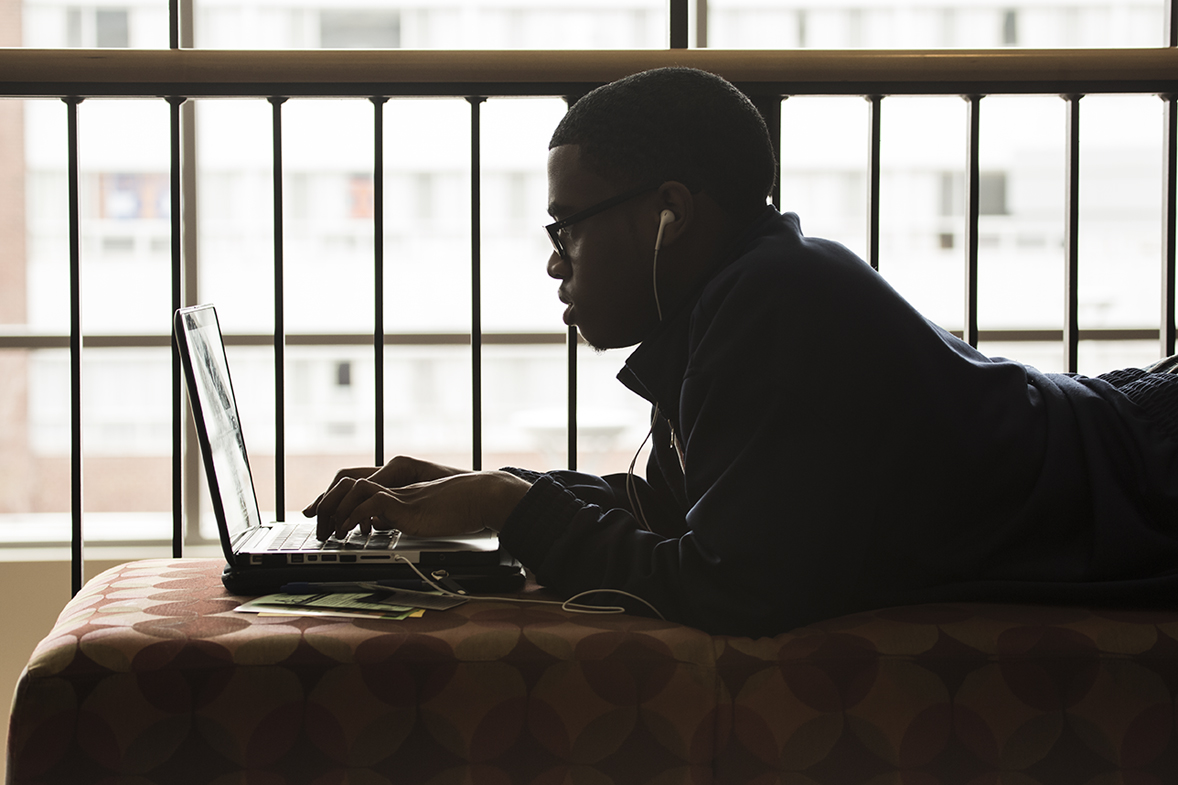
x,y
599,342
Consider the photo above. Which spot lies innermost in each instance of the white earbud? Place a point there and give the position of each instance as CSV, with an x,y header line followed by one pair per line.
x,y
665,217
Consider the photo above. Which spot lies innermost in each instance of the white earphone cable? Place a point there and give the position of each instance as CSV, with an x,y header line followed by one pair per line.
x,y
569,605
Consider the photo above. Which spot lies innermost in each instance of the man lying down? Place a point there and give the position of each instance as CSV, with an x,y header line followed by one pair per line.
x,y
819,446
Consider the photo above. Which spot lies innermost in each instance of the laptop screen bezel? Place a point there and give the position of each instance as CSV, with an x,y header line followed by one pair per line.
x,y
205,317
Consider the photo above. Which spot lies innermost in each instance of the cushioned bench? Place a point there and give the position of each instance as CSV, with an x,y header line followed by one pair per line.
x,y
150,677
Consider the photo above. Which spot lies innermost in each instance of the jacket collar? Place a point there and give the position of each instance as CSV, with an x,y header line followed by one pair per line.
x,y
655,370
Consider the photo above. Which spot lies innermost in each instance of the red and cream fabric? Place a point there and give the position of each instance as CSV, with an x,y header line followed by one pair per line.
x,y
151,677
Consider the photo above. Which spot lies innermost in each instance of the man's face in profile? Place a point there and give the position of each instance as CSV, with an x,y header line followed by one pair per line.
x,y
605,273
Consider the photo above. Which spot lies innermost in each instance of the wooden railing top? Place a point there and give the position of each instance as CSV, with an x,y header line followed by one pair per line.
x,y
402,72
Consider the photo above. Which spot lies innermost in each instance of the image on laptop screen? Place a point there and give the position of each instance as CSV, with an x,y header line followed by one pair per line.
x,y
219,411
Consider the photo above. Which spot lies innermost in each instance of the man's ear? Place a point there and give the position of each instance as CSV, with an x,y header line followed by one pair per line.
x,y
677,198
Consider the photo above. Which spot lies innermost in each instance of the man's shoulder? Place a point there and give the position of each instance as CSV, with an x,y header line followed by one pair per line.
x,y
778,256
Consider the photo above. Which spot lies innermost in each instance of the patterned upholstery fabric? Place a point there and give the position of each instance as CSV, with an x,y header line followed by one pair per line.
x,y
150,677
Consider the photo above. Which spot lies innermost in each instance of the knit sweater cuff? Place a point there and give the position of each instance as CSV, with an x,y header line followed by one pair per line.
x,y
538,521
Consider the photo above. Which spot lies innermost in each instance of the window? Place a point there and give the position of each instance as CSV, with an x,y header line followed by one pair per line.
x,y
330,212
359,29
1010,27
134,196
343,374
991,193
100,27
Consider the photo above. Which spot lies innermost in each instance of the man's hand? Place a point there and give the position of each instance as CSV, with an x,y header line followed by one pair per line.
x,y
398,472
420,498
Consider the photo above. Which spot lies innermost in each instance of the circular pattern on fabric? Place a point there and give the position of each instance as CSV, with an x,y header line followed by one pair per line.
x,y
150,676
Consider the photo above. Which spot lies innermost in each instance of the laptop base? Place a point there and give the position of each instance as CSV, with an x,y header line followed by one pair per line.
x,y
474,579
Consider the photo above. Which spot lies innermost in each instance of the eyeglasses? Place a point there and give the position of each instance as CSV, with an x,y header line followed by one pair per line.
x,y
554,228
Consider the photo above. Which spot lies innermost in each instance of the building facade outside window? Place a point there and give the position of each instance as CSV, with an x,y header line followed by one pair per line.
x,y
328,239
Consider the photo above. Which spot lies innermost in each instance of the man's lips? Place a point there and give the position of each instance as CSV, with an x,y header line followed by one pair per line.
x,y
564,298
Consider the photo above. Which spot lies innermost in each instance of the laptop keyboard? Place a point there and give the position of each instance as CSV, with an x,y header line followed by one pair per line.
x,y
302,537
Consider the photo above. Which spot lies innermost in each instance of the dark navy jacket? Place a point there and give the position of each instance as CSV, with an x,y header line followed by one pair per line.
x,y
841,453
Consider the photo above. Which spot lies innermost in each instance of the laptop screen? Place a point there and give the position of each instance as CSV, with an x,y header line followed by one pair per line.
x,y
230,481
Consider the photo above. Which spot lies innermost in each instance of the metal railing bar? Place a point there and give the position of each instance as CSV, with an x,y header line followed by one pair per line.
x,y
769,105
489,339
1071,309
57,341
572,338
476,305
1170,195
190,287
175,172
1170,223
378,103
204,73
76,556
1056,336
972,174
677,23
37,544
775,135
571,343
279,326
873,169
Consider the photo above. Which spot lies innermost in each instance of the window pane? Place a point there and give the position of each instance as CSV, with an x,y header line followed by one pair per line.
x,y
1021,250
923,139
474,24
359,29
111,27
327,161
611,421
235,198
427,217
824,142
757,24
51,23
518,294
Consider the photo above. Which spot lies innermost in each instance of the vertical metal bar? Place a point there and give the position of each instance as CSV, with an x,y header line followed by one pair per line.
x,y
1169,195
572,419
873,148
677,23
476,313
190,289
571,345
1170,223
186,32
173,24
972,176
770,108
279,326
378,103
76,556
174,104
1071,327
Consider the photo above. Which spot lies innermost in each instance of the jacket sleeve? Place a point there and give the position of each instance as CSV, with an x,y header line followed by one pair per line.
x,y
574,546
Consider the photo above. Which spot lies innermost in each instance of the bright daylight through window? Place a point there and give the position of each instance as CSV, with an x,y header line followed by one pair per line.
x,y
329,215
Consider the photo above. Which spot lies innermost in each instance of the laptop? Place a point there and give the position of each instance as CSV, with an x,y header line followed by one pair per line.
x,y
263,557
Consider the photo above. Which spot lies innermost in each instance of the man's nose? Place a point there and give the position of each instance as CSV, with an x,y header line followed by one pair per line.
x,y
556,266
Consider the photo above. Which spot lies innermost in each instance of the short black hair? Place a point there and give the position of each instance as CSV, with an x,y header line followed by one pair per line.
x,y
678,124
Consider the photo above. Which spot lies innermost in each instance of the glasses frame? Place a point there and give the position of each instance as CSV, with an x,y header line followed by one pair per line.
x,y
554,228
